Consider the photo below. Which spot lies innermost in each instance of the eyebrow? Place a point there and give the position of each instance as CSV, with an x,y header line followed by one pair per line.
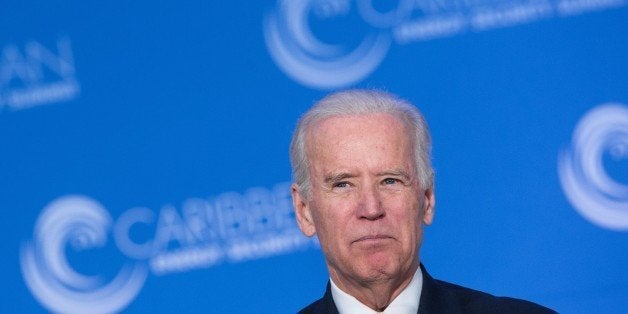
x,y
335,177
395,172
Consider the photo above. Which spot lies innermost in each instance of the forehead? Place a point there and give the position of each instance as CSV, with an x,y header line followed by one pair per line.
x,y
348,123
352,134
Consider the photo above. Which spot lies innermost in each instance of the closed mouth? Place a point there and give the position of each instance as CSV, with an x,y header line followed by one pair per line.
x,y
369,238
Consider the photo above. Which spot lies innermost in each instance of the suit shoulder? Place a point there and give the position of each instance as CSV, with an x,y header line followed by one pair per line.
x,y
310,309
318,306
324,305
474,301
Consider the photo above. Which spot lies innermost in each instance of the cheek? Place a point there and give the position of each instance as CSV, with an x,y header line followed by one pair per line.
x,y
408,219
333,221
327,220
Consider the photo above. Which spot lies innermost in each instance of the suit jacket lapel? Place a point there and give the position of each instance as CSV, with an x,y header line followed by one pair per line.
x,y
327,304
435,299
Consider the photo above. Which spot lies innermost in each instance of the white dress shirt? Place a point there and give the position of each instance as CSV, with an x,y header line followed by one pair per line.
x,y
407,302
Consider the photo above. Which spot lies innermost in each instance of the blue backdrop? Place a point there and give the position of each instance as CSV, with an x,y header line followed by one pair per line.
x,y
144,163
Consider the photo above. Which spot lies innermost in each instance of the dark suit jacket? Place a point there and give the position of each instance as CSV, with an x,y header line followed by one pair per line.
x,y
442,297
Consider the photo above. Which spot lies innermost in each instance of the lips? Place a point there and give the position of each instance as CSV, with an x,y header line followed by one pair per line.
x,y
373,238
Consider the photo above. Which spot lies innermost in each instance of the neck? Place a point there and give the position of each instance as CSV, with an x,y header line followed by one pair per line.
x,y
375,293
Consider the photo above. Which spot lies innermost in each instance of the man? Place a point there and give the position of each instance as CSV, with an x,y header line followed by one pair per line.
x,y
364,186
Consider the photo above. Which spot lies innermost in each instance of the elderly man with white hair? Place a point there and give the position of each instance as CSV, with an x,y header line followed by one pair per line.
x,y
364,185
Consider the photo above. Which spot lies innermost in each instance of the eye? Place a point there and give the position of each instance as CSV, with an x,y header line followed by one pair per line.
x,y
342,184
390,181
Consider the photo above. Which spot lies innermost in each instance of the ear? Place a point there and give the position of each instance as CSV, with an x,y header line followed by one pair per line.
x,y
303,212
428,206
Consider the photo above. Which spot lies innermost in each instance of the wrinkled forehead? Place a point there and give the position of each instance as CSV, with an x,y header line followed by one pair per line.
x,y
347,128
352,121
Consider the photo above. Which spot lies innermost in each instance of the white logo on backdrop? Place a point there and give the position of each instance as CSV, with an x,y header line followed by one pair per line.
x,y
291,36
231,227
591,190
84,224
36,76
306,59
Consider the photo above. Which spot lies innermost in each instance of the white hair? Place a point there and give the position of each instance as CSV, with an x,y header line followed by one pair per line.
x,y
360,102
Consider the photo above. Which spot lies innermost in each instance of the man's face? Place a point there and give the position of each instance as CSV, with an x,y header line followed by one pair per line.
x,y
366,206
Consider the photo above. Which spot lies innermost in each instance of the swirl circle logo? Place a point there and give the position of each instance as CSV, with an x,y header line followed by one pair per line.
x,y
591,190
313,62
83,223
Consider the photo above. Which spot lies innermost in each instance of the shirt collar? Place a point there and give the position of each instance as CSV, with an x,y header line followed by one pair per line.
x,y
407,302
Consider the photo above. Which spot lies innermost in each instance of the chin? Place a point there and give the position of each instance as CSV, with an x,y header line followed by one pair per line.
x,y
380,268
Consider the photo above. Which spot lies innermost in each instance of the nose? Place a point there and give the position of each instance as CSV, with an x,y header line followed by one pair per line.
x,y
370,204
